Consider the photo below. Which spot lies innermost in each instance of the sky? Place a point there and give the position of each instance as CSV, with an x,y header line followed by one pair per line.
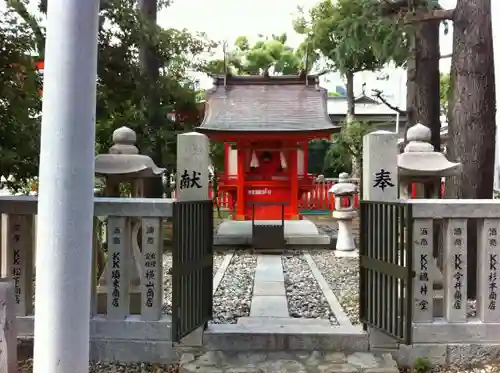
x,y
228,19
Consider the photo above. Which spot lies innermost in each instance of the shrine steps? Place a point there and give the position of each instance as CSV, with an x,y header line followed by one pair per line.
x,y
277,336
298,233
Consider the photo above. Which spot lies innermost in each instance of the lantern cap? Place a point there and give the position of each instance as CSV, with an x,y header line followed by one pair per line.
x,y
124,158
420,159
343,186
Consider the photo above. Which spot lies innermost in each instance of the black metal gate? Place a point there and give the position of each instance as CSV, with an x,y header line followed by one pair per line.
x,y
267,236
386,268
192,266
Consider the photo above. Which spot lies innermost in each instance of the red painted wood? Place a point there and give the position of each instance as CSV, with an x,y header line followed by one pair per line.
x,y
317,199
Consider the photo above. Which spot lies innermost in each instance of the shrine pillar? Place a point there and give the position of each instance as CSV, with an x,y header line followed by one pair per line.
x,y
227,154
240,192
294,185
306,157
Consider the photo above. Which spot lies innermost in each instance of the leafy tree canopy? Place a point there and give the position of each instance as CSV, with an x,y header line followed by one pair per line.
x,y
352,34
267,55
122,87
20,102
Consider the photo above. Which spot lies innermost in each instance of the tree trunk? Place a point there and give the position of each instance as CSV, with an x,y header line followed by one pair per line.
x,y
472,102
350,96
426,93
350,117
423,89
471,124
150,67
427,89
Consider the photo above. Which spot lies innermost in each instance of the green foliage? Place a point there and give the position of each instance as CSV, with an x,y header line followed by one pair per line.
x,y
336,161
19,6
265,56
496,194
122,87
352,34
217,155
20,102
444,92
422,365
217,159
348,144
336,164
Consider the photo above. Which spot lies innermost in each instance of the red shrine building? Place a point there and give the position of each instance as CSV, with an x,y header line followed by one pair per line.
x,y
265,124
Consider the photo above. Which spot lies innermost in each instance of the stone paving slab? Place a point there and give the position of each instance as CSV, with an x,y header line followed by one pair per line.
x,y
282,321
269,306
288,362
269,288
267,337
269,268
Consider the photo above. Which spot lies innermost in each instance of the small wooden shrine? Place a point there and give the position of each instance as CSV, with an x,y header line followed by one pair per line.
x,y
265,124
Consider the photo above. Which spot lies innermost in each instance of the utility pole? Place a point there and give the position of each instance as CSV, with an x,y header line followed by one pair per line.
x,y
151,70
66,200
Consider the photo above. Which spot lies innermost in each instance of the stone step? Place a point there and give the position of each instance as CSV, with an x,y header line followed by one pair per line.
x,y
266,337
282,321
288,362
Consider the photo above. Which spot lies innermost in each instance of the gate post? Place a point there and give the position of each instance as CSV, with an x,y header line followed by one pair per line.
x,y
192,167
380,183
380,166
192,184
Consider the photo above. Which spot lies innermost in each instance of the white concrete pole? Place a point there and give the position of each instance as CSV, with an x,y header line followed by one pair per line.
x,y
65,207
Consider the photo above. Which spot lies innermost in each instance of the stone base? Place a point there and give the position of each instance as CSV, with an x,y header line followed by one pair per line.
x,y
297,233
131,340
288,361
133,351
455,354
281,337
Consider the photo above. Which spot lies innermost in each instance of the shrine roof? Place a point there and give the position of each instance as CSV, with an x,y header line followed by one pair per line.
x,y
266,104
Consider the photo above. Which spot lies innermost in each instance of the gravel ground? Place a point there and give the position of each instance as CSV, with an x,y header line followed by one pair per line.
x,y
342,274
98,367
167,279
234,294
218,259
167,284
304,295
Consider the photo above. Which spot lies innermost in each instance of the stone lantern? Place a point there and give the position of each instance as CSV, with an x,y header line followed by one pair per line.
x,y
124,164
419,163
344,213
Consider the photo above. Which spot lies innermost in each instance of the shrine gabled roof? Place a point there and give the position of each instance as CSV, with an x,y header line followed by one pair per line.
x,y
266,104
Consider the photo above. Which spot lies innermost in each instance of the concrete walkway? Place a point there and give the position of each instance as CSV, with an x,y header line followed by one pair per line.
x,y
269,297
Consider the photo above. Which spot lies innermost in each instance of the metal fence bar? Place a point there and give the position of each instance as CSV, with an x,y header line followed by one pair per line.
x,y
386,271
192,266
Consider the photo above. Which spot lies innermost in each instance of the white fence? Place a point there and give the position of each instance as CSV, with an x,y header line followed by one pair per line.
x,y
447,317
127,299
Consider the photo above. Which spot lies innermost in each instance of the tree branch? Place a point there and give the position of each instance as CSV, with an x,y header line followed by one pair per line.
x,y
378,94
433,15
400,7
